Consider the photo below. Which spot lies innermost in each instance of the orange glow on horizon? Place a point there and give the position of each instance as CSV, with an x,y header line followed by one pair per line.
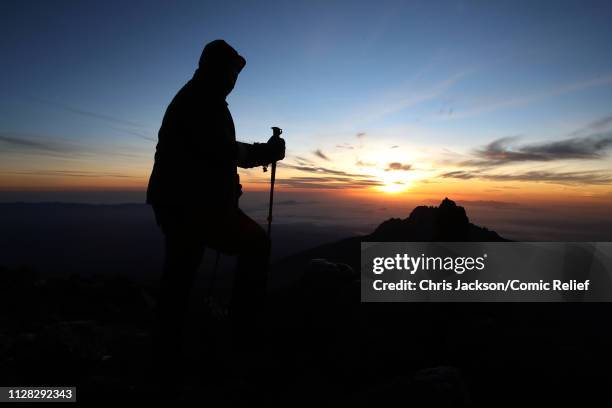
x,y
390,191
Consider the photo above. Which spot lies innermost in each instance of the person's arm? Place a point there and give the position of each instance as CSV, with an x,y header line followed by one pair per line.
x,y
260,154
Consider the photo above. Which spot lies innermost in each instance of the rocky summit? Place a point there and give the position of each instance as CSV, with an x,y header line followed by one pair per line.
x,y
447,222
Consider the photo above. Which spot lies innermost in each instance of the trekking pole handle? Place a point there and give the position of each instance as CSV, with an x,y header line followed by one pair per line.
x,y
276,132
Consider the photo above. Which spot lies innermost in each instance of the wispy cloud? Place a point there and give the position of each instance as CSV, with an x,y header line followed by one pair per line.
x,y
501,151
37,144
596,125
138,133
321,170
361,163
303,161
345,146
407,96
73,173
487,162
395,166
510,102
323,177
460,174
320,154
601,123
127,126
568,178
48,145
360,136
328,182
83,112
590,147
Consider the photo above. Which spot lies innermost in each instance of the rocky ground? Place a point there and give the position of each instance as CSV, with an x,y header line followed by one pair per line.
x,y
317,345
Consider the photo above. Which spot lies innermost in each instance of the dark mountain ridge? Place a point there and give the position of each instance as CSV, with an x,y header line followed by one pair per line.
x,y
446,223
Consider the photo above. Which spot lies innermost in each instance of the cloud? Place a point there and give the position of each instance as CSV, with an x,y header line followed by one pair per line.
x,y
590,147
500,151
459,174
596,125
321,170
328,182
72,173
394,146
566,178
82,112
525,99
32,144
601,123
136,133
133,128
361,163
408,95
360,136
345,146
320,154
398,166
54,146
303,161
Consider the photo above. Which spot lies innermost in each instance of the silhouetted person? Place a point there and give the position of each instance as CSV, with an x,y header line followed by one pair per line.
x,y
194,189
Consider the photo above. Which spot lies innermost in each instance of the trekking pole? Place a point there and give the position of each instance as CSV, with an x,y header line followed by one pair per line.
x,y
276,132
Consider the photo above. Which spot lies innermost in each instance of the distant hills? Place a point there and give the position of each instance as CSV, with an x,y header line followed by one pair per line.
x,y
120,239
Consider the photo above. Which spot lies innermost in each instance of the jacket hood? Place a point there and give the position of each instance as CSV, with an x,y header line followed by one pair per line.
x,y
218,68
219,55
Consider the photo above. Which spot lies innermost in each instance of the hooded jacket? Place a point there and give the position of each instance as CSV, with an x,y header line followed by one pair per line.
x,y
197,155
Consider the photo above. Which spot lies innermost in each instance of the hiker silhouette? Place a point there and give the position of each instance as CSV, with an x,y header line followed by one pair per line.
x,y
194,190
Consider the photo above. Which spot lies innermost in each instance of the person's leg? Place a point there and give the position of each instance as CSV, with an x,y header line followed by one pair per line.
x,y
246,239
253,250
183,254
240,236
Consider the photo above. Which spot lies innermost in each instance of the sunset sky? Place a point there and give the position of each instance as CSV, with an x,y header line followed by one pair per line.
x,y
480,101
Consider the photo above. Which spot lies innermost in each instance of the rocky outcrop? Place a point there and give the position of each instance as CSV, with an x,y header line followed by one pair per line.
x,y
447,222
